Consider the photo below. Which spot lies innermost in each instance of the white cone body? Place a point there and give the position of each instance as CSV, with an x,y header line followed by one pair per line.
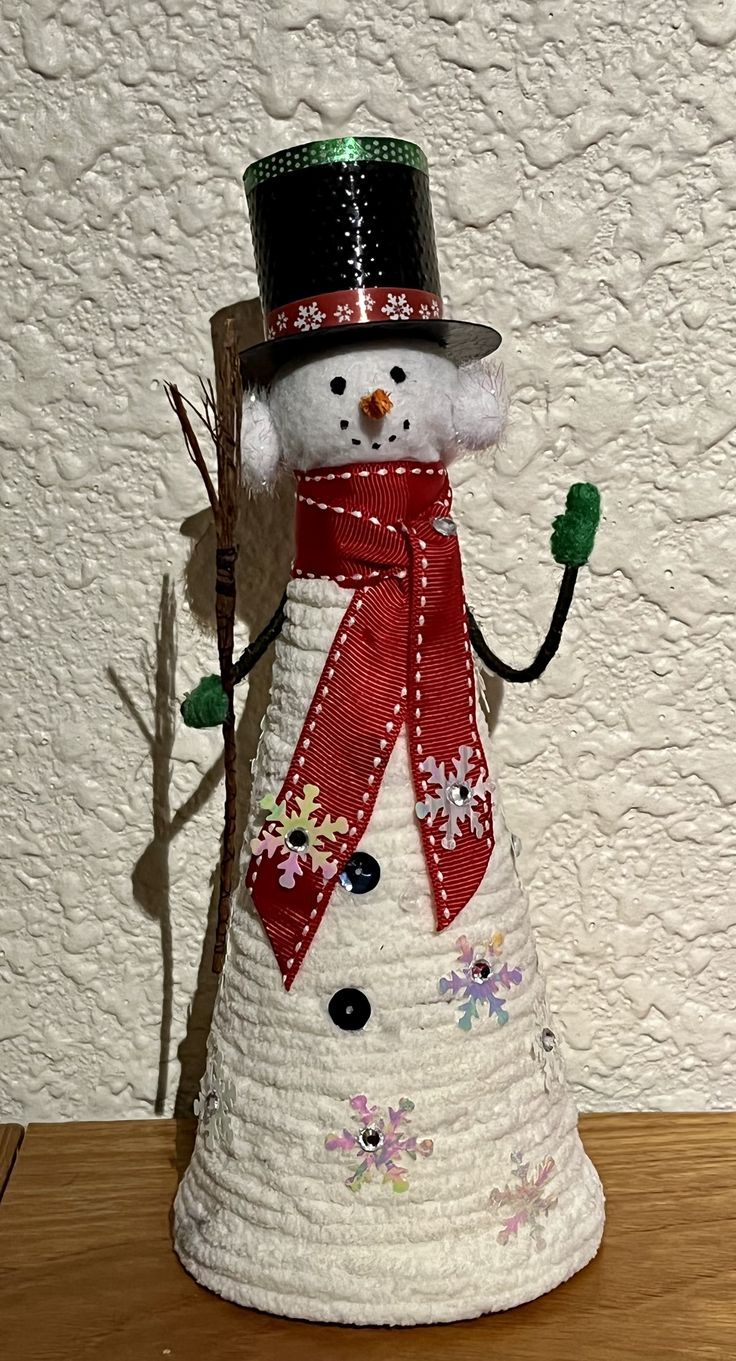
x,y
264,1215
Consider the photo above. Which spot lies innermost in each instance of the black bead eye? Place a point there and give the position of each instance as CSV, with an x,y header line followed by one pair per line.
x,y
344,425
361,873
407,425
338,385
349,1009
397,374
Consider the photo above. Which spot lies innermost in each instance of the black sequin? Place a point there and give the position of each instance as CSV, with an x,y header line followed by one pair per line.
x,y
349,1009
361,873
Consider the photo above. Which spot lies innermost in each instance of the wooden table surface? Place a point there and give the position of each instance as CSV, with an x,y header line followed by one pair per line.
x,y
87,1270
10,1140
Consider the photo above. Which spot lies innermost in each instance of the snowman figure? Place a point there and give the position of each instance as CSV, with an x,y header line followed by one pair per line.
x,y
385,1131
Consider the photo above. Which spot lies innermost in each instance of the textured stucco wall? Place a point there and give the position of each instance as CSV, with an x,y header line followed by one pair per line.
x,y
584,181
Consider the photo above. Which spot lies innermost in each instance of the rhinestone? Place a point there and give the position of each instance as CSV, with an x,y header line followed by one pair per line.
x,y
444,525
549,1039
480,970
459,794
370,1138
297,839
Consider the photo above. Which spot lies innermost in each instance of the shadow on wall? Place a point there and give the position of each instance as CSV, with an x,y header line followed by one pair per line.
x,y
150,878
263,567
266,549
265,536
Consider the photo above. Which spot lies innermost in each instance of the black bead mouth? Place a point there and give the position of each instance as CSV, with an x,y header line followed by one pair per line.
x,y
377,444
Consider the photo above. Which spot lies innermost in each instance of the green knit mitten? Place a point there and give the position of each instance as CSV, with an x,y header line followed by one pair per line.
x,y
206,705
573,534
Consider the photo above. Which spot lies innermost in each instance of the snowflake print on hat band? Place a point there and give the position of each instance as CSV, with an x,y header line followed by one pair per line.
x,y
309,317
386,529
353,305
380,1145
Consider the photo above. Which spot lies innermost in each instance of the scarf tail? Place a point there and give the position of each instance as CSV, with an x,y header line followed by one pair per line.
x,y
401,654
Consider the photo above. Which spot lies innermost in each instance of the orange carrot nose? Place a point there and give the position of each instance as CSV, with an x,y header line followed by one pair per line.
x,y
376,404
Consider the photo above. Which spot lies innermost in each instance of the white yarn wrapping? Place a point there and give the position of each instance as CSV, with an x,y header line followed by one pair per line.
x,y
263,1215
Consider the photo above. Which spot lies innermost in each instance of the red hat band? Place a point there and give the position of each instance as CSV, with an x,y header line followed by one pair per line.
x,y
350,306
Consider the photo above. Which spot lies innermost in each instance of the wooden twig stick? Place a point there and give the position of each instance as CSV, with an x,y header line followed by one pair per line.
x,y
227,407
221,416
179,404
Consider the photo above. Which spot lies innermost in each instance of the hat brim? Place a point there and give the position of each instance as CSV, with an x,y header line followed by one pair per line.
x,y
461,341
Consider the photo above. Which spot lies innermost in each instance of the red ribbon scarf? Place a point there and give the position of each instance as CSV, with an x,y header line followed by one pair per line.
x,y
401,655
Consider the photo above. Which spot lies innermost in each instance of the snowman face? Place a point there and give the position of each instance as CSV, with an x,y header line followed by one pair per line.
x,y
370,403
377,402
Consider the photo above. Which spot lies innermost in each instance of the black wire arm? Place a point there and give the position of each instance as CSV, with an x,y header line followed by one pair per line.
x,y
255,650
549,647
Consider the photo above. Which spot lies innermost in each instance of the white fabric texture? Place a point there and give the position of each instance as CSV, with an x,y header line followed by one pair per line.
x,y
264,1215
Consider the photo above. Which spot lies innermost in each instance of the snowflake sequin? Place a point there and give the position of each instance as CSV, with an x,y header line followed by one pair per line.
x,y
455,798
214,1103
479,982
343,312
424,311
282,321
298,836
310,317
545,1049
380,1144
369,302
396,308
524,1202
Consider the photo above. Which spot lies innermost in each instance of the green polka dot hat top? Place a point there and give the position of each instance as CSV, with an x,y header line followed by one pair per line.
x,y
338,150
345,249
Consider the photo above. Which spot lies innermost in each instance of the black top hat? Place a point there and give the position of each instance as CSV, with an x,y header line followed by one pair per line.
x,y
344,247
